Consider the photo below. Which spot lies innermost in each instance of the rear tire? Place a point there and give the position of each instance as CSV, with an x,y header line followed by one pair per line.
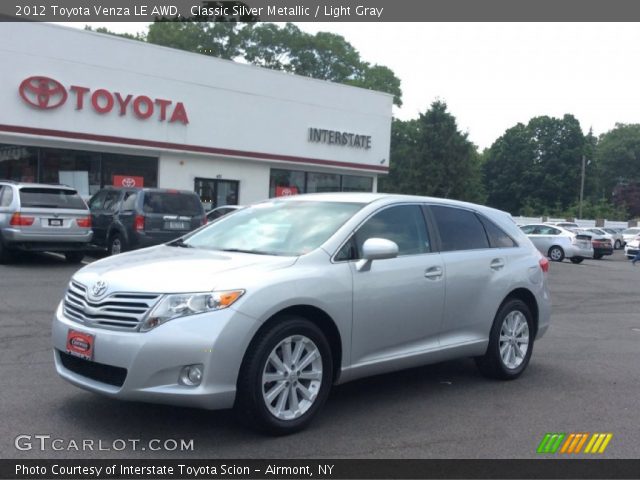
x,y
74,257
576,260
275,394
510,342
556,253
115,245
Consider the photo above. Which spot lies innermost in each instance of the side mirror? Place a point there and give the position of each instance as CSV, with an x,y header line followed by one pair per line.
x,y
376,249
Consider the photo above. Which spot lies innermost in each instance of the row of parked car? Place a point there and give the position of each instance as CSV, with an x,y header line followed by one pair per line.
x,y
560,240
42,217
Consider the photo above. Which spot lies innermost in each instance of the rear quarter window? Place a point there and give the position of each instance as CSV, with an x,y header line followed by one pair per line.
x,y
36,197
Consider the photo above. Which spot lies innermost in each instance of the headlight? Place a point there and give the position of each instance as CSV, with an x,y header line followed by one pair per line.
x,y
184,304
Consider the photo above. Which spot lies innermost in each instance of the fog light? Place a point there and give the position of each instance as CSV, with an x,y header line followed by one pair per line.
x,y
191,375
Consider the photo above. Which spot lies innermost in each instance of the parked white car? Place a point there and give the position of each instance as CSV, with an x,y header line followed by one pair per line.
x,y
632,247
558,243
630,233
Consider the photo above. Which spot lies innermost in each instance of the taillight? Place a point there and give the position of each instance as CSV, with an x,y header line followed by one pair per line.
x,y
544,264
84,222
18,220
139,222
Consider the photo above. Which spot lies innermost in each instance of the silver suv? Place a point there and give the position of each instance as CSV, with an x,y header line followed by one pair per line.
x,y
267,308
39,217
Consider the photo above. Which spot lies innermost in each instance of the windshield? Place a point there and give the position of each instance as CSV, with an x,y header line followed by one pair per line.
x,y
288,228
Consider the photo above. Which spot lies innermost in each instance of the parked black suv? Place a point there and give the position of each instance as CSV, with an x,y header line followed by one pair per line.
x,y
129,218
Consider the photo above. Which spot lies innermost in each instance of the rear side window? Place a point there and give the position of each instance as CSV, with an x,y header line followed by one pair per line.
x,y
6,196
35,197
129,201
111,202
459,229
174,203
497,237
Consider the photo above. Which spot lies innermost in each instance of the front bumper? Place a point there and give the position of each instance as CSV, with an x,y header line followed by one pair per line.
x,y
153,360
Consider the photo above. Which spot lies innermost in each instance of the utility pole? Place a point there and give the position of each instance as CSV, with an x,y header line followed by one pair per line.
x,y
584,161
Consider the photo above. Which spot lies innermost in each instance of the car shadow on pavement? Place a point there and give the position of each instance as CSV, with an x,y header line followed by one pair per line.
x,y
33,260
212,429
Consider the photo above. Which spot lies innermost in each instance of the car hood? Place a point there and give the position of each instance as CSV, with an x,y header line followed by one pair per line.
x,y
164,269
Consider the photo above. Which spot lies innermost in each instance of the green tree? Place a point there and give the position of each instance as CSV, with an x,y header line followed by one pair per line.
x,y
325,56
536,166
430,156
618,155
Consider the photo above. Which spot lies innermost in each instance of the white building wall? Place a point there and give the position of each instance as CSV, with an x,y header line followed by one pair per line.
x,y
180,171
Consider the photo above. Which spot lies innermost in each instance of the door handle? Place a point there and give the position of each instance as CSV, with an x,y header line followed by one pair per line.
x,y
497,264
433,273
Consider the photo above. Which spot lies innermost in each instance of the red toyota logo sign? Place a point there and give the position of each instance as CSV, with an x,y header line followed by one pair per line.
x,y
43,92
286,191
46,93
128,181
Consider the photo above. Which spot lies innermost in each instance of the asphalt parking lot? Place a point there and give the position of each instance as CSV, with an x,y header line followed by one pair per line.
x,y
584,377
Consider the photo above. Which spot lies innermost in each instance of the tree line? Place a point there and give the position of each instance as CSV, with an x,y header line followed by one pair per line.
x,y
531,170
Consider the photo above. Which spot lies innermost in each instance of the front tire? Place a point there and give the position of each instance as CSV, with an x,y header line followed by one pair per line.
x,y
556,253
510,342
285,377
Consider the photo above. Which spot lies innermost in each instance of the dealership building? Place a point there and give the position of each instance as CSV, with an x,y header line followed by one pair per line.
x,y
92,110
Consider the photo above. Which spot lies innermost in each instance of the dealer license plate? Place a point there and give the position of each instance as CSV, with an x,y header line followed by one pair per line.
x,y
80,344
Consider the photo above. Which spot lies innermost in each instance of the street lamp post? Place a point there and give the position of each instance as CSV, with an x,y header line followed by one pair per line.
x,y
584,161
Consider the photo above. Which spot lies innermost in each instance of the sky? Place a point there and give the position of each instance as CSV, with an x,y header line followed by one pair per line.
x,y
494,75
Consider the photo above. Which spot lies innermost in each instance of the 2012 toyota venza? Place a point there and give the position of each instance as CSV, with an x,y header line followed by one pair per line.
x,y
267,308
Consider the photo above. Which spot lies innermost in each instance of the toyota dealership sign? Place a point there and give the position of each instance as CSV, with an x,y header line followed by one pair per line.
x,y
45,93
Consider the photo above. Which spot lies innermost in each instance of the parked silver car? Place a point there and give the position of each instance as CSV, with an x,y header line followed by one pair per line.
x,y
266,308
616,237
39,217
559,243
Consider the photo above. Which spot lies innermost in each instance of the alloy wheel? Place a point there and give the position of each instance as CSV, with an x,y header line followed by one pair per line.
x,y
292,377
514,339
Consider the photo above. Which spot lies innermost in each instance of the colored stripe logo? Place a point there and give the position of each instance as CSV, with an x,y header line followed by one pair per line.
x,y
574,443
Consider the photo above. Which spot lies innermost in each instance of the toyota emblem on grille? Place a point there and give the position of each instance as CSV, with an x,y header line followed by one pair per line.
x,y
99,288
43,92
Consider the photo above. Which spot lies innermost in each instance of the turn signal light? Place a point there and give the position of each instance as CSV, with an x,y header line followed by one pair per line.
x,y
544,264
84,222
18,220
139,223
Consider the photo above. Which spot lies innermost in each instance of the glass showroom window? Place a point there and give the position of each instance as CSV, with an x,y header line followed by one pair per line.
x,y
76,168
352,183
286,182
322,182
18,163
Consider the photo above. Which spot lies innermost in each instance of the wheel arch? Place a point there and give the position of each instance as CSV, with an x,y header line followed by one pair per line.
x,y
530,301
318,317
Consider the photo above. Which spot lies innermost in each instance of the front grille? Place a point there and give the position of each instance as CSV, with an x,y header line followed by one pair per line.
x,y
95,371
117,311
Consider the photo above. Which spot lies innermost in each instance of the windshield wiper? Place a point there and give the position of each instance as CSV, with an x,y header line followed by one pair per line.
x,y
179,243
240,250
